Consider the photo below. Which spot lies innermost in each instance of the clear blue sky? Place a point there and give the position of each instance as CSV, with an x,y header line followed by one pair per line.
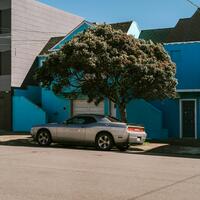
x,y
147,13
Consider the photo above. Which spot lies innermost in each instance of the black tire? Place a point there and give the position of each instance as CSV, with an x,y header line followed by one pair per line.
x,y
123,147
104,142
44,138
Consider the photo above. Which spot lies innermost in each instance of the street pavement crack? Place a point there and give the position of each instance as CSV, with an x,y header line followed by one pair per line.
x,y
164,187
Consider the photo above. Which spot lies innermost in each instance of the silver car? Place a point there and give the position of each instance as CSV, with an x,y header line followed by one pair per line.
x,y
101,131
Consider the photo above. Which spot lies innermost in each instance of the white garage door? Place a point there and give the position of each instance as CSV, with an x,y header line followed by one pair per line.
x,y
83,107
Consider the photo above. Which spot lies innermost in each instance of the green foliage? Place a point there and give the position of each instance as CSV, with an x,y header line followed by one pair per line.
x,y
102,62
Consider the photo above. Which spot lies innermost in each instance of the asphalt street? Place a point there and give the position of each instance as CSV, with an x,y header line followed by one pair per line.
x,y
33,173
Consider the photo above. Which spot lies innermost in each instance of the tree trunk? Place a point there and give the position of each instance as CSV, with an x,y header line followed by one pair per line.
x,y
122,110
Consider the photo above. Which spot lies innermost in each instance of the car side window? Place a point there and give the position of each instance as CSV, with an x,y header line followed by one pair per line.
x,y
76,120
81,120
89,120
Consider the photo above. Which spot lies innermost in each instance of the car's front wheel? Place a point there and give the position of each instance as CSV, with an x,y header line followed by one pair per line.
x,y
44,138
104,142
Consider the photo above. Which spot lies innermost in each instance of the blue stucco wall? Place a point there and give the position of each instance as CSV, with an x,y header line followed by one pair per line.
x,y
187,59
57,108
106,107
143,113
26,114
26,108
170,111
32,93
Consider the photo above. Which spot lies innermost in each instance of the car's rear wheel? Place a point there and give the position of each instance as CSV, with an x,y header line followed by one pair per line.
x,y
44,138
104,142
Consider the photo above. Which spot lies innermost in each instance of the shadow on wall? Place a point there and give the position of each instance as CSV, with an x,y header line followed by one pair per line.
x,y
143,113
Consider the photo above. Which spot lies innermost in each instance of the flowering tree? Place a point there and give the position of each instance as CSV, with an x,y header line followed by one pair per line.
x,y
103,62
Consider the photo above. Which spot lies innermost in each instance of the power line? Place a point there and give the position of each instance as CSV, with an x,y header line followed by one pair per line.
x,y
192,3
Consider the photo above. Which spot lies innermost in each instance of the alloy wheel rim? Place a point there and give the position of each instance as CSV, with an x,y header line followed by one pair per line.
x,y
43,138
104,142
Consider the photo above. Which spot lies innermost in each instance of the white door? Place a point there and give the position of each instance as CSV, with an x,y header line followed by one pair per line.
x,y
83,107
113,110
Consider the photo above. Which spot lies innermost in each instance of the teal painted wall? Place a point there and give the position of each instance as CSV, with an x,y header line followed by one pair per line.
x,y
57,108
171,121
26,109
187,59
106,107
26,114
143,113
32,93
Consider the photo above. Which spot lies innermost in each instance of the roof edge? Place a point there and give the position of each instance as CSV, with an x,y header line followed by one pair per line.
x,y
84,21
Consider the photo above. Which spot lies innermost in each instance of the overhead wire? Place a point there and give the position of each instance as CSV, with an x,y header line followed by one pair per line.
x,y
192,3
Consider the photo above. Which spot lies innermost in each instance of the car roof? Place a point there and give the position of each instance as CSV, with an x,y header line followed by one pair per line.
x,y
90,115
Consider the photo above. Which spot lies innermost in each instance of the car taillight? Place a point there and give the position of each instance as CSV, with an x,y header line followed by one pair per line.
x,y
135,129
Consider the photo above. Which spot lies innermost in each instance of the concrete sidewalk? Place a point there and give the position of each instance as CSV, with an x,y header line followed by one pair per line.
x,y
11,137
146,148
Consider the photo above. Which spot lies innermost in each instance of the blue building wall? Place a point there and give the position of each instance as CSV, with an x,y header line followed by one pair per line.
x,y
187,59
57,108
143,113
26,114
106,107
32,93
26,109
170,112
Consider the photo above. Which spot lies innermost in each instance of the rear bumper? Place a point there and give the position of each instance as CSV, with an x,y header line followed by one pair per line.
x,y
135,138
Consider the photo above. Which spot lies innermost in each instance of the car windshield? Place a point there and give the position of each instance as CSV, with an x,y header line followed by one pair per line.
x,y
112,119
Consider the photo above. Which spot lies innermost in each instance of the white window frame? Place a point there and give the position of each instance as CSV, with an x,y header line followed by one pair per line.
x,y
180,116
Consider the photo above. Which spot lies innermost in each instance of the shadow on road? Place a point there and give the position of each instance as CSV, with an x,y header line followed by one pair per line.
x,y
168,150
172,151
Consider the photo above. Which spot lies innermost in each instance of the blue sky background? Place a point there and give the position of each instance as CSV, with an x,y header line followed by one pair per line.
x,y
147,13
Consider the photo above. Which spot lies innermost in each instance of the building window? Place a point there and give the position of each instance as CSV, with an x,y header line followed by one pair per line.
x,y
5,63
5,21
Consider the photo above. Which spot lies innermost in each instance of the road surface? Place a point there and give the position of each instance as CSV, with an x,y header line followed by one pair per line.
x,y
33,173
